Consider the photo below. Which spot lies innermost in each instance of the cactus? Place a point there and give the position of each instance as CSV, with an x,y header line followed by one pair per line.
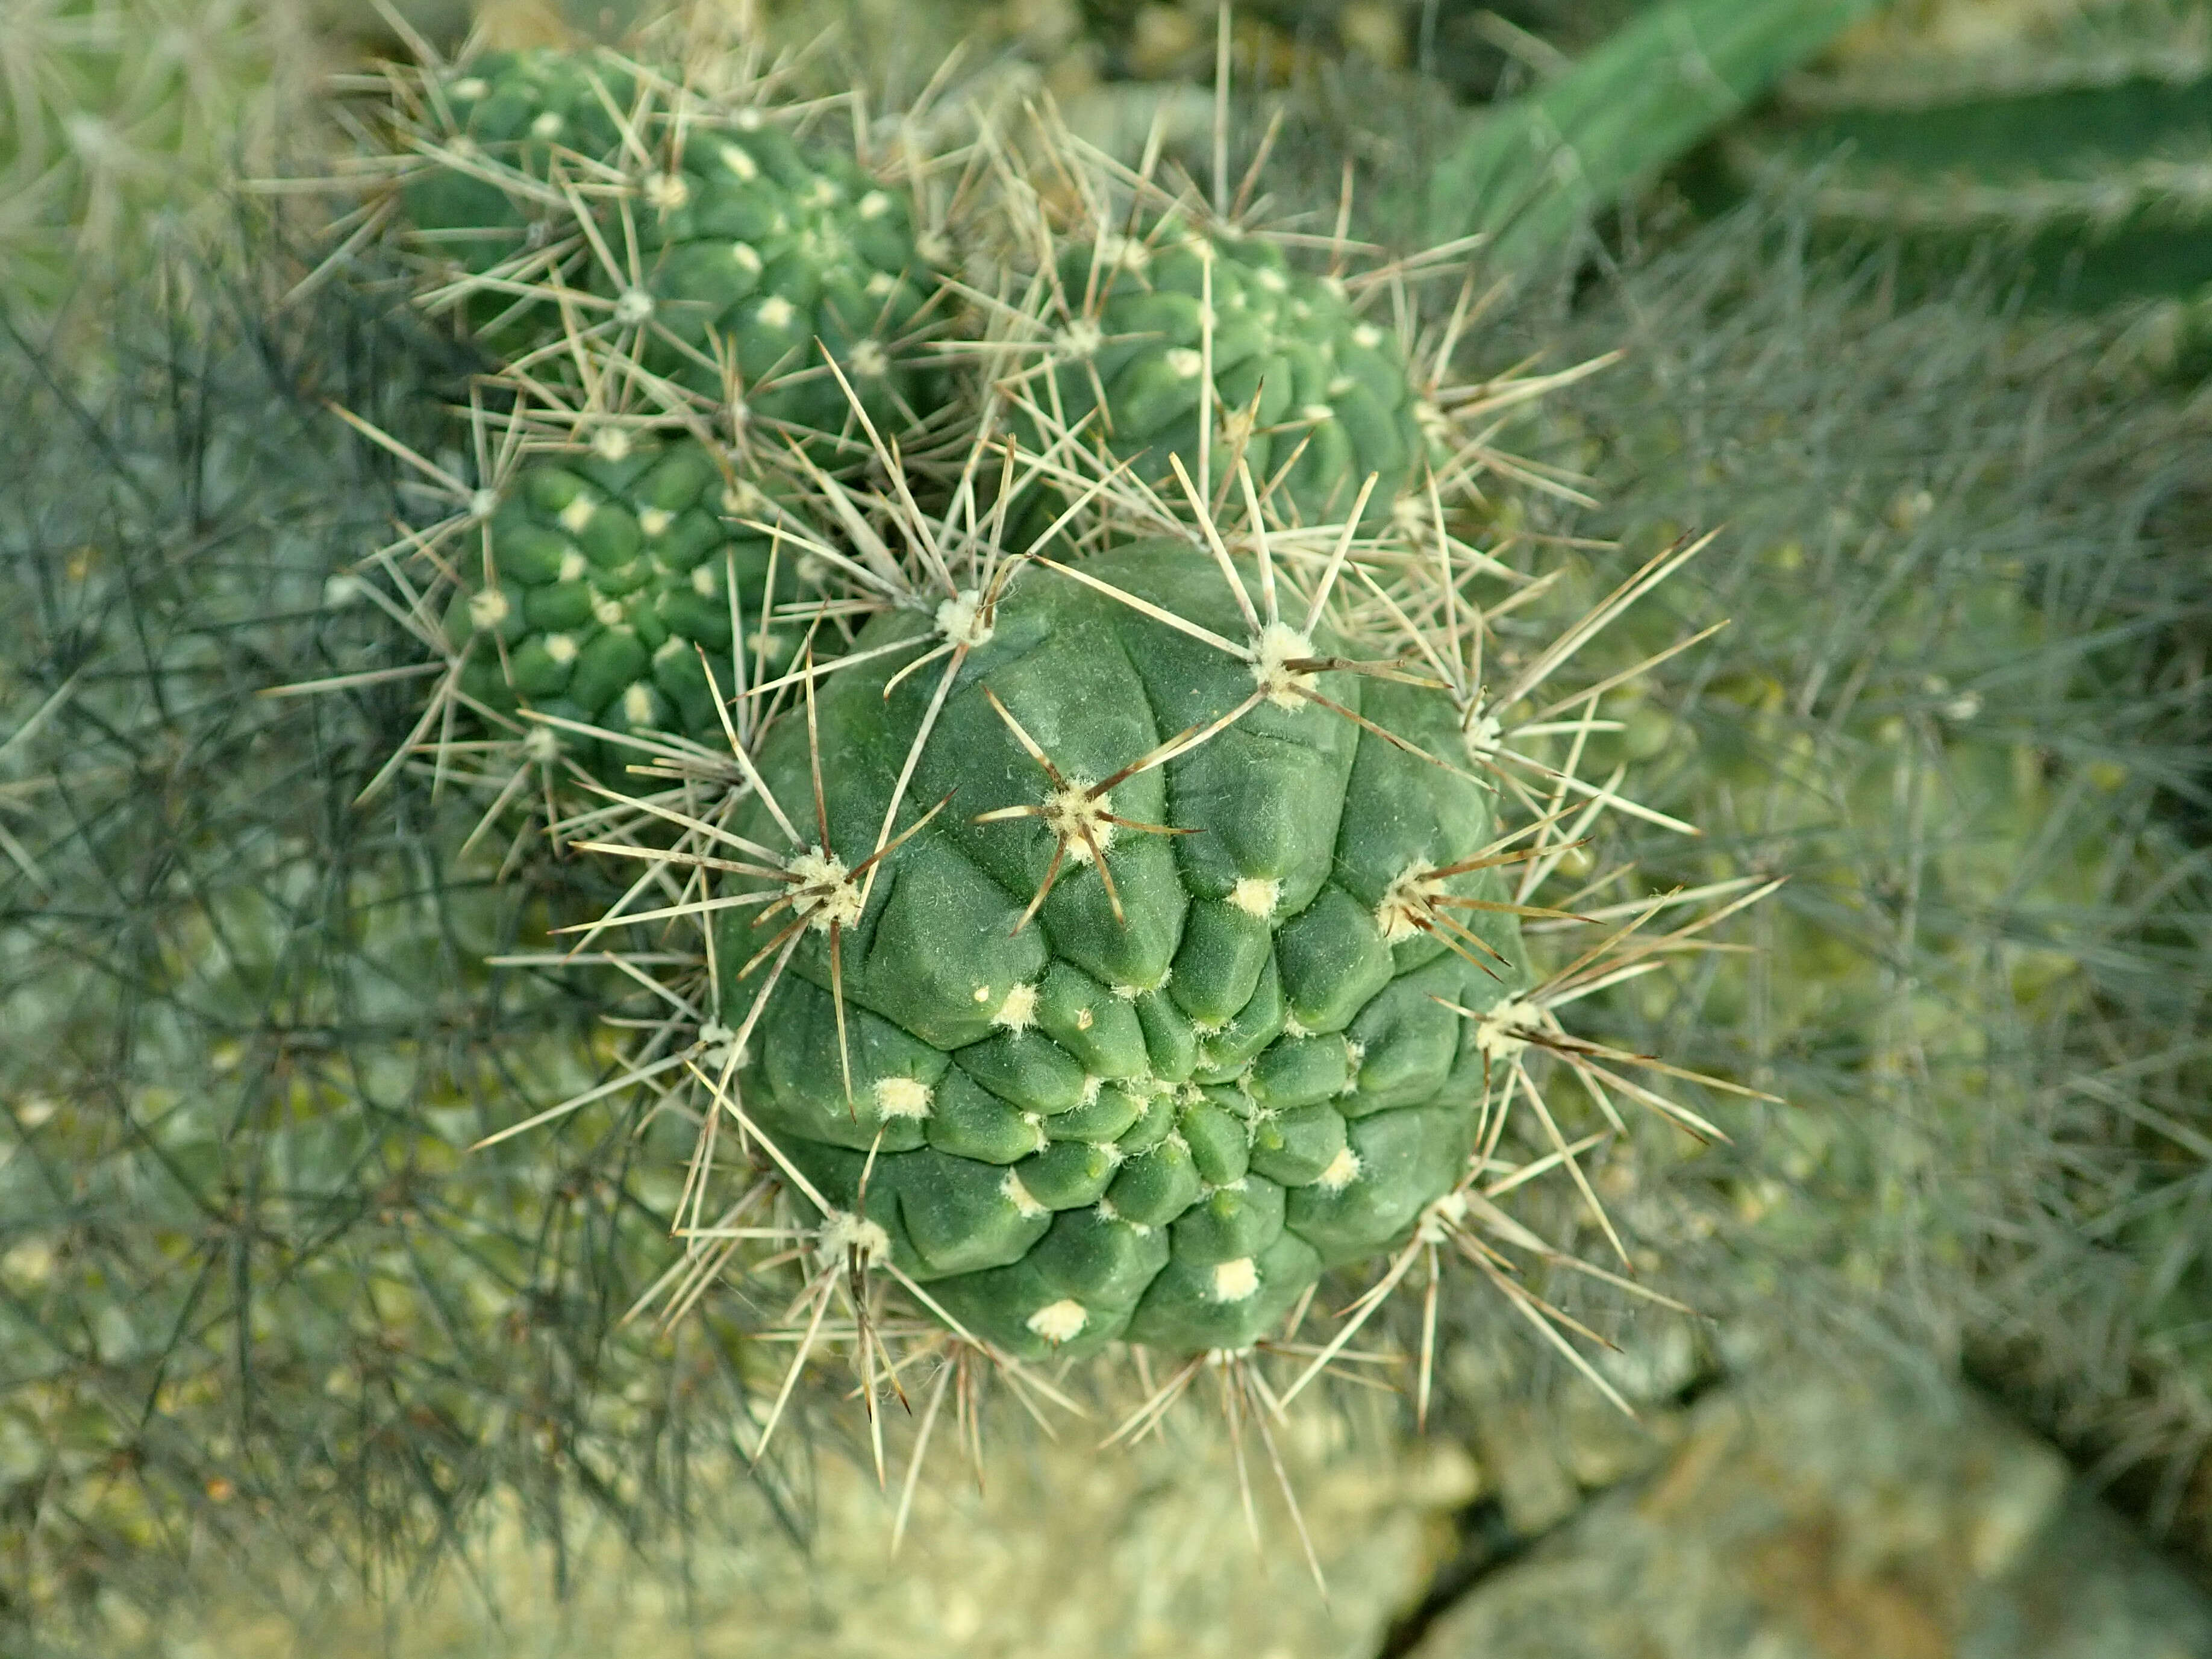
x,y
253,1285
1310,698
2071,164
1239,1032
1961,701
1153,956
1234,1036
606,577
577,208
1311,396
1532,170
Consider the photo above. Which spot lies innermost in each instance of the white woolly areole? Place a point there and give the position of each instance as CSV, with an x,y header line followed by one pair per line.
x,y
573,566
654,520
845,1235
611,443
702,581
577,514
880,284
740,498
541,744
1481,733
482,503
1504,1031
1367,337
488,607
635,307
1184,361
715,1041
1021,1197
1081,338
776,313
1271,279
547,125
1433,424
1278,645
1236,1281
637,704
740,162
1123,252
1071,812
873,205
902,1097
470,87
1018,1012
869,361
1438,1221
1406,903
961,619
561,647
1343,1170
823,890
608,611
667,191
1255,895
1059,1322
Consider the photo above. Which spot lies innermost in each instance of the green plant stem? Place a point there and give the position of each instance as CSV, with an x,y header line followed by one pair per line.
x,y
1533,169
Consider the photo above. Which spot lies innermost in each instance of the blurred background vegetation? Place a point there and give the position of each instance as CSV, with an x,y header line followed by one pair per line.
x,y
1913,298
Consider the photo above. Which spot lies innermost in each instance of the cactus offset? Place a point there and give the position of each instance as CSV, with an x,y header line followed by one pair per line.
x,y
1312,396
606,577
586,214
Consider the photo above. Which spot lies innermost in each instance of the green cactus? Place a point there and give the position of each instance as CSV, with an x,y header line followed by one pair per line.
x,y
1961,701
1530,171
1240,1037
760,258
518,111
2074,172
570,204
1225,1045
604,577
1309,394
253,1283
